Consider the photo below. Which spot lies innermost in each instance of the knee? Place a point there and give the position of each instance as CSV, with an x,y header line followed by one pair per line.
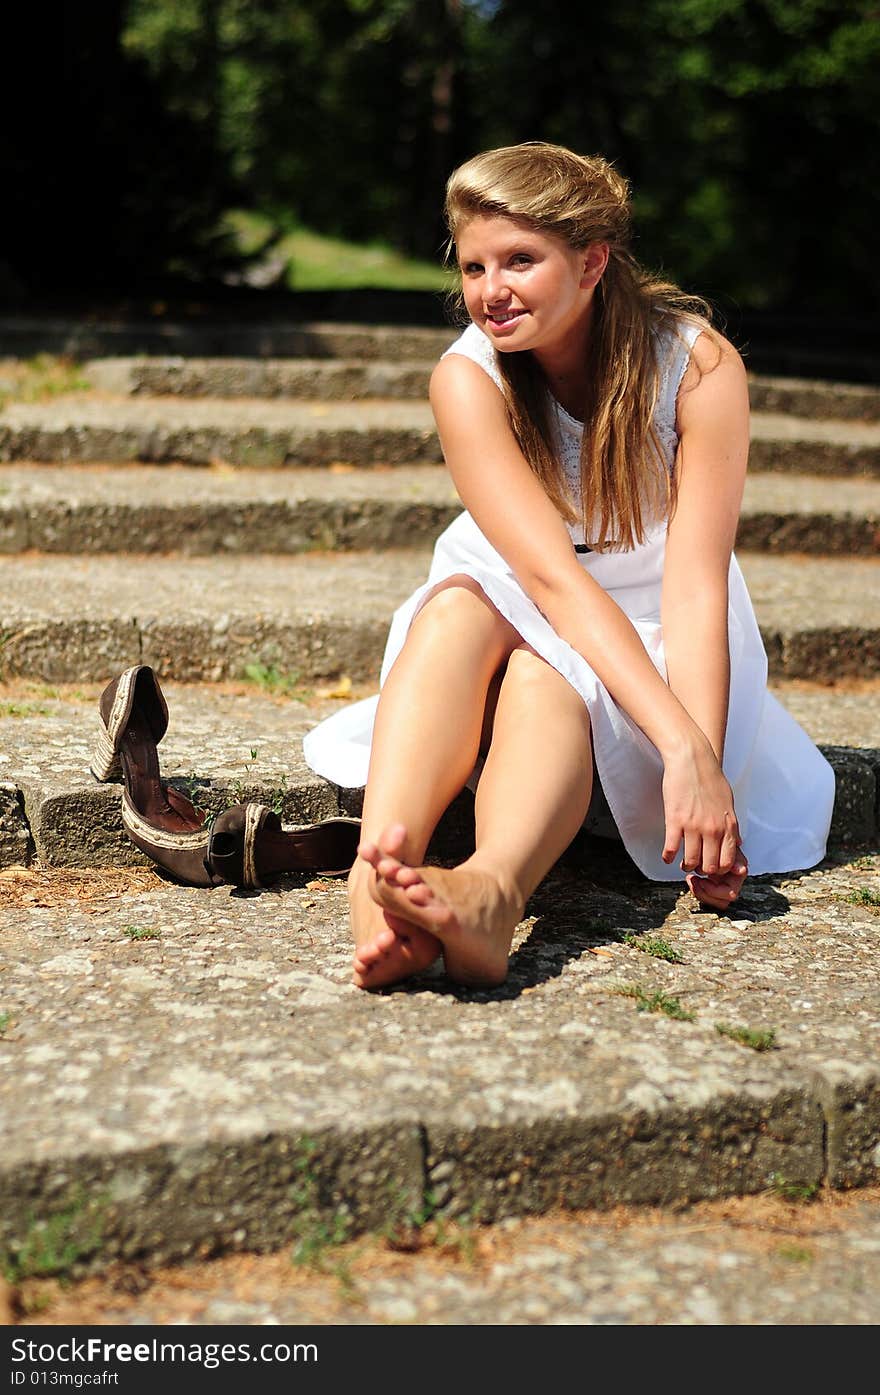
x,y
459,600
527,673
526,669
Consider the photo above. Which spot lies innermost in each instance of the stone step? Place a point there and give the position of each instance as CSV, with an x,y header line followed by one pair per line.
x,y
230,743
192,1071
84,339
249,432
316,379
193,510
352,379
316,616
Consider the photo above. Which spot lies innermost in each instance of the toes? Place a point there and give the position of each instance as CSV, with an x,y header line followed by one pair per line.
x,y
371,951
418,892
408,876
388,868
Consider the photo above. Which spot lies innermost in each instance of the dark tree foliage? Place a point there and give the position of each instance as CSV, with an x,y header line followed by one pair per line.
x,y
340,114
749,129
108,185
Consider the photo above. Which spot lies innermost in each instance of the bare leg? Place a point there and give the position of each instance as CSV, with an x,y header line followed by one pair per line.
x,y
425,743
532,798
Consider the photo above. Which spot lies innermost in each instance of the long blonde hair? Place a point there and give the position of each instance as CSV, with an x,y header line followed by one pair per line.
x,y
625,482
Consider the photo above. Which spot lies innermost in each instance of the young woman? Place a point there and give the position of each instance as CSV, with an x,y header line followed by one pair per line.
x,y
585,617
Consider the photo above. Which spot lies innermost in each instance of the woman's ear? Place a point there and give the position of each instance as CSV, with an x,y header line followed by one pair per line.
x,y
595,261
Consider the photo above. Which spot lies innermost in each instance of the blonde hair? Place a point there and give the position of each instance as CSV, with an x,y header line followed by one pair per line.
x,y
625,483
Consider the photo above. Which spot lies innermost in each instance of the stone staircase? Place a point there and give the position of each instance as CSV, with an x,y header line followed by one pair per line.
x,y
219,516
246,526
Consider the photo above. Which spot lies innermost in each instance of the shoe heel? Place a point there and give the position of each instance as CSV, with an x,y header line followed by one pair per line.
x,y
105,762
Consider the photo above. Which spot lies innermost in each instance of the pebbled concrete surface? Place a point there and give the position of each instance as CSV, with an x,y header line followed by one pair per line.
x,y
225,747
226,1061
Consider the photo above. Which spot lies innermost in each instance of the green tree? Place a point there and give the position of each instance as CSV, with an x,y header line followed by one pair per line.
x,y
746,127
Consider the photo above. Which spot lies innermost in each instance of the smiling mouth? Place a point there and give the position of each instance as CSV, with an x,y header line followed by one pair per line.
x,y
504,317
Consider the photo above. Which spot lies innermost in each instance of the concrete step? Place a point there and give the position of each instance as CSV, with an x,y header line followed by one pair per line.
x,y
82,339
191,1071
355,378
195,511
317,615
809,397
318,379
230,743
242,432
252,432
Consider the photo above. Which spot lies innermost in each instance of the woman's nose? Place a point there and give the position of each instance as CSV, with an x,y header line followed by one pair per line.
x,y
495,287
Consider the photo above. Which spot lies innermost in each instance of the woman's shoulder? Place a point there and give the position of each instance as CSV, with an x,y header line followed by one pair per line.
x,y
473,344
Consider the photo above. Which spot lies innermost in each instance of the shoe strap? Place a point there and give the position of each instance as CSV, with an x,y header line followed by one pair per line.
x,y
254,816
181,842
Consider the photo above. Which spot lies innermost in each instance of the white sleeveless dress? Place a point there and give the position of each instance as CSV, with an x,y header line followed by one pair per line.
x,y
783,787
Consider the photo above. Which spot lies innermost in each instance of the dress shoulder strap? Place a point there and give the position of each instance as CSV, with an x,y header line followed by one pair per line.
x,y
673,354
673,348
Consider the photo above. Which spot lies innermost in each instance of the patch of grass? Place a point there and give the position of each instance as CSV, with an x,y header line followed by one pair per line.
x,y
5,1019
22,709
141,932
276,682
57,1244
404,1228
792,1191
315,1231
39,379
865,863
864,896
655,1002
274,797
748,1036
314,261
655,946
797,1254
458,1237
410,1229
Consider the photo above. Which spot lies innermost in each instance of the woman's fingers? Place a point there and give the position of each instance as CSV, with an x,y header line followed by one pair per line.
x,y
729,851
718,891
693,851
674,835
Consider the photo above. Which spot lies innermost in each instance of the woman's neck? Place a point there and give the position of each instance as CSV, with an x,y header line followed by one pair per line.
x,y
565,364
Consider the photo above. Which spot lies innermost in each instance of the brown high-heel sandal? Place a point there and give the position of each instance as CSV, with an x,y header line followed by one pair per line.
x,y
157,818
249,847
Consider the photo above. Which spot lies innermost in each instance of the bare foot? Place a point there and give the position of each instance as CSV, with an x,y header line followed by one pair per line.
x,y
467,908
387,947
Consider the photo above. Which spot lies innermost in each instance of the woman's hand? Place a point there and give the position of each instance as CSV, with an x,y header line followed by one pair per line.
x,y
699,812
721,890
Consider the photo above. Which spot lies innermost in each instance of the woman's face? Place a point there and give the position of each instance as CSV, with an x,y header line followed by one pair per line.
x,y
525,289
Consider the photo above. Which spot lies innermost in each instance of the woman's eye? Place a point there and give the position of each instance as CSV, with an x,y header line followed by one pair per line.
x,y
521,259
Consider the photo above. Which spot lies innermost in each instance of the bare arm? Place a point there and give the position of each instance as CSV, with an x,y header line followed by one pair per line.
x,y
509,505
713,424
